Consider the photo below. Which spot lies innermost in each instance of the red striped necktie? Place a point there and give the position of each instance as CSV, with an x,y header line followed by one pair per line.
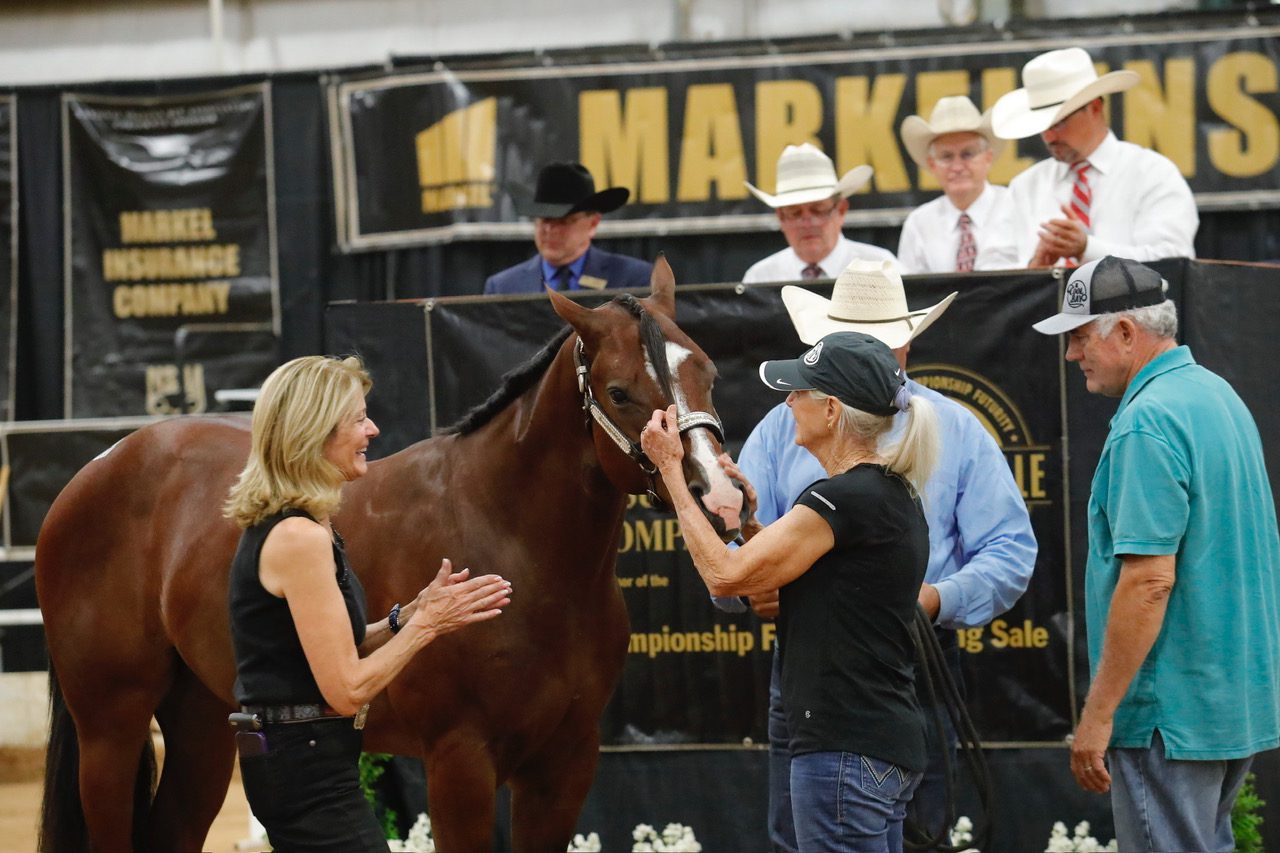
x,y
1081,194
968,250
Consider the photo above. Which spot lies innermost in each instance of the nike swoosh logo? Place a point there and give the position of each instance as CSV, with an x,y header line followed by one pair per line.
x,y
782,382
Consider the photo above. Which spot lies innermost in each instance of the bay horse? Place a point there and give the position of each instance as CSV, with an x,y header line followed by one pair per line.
x,y
133,557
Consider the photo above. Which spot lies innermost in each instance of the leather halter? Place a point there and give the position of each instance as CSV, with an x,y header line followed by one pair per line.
x,y
591,407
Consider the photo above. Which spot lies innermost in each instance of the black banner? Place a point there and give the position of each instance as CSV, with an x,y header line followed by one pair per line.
x,y
171,257
443,155
694,674
8,253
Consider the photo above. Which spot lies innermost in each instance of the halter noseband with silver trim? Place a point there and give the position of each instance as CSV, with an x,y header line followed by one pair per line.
x,y
591,407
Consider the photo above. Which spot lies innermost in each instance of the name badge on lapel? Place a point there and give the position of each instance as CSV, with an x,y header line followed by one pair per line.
x,y
592,282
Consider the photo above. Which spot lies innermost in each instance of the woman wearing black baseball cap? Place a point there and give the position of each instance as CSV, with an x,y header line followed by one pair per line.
x,y
849,558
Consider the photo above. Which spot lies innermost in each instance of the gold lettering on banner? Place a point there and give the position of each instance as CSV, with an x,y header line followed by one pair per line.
x,y
1253,146
865,132
456,158
188,225
720,639
997,82
149,279
171,300
219,260
659,534
711,148
1027,635
162,389
788,112
1000,416
931,87
1164,118
768,635
625,145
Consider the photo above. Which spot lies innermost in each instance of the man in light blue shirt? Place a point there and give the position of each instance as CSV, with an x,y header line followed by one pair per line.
x,y
981,547
1182,585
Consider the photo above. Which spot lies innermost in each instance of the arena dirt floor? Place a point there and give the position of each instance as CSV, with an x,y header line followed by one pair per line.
x,y
21,772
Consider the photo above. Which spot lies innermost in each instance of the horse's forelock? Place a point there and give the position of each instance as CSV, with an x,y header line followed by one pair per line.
x,y
653,340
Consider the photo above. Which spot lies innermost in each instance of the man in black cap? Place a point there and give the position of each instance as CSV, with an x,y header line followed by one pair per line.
x,y
566,211
1182,583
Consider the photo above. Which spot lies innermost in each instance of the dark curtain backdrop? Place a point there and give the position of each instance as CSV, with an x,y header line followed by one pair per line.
x,y
312,271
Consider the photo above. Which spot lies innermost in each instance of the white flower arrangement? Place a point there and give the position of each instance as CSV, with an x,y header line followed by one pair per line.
x,y
589,844
962,835
420,840
675,838
1080,842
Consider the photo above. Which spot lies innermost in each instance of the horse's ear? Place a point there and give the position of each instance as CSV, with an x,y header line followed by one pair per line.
x,y
662,284
583,319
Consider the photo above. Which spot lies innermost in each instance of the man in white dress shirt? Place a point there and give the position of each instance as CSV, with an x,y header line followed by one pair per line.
x,y
811,205
969,227
1097,196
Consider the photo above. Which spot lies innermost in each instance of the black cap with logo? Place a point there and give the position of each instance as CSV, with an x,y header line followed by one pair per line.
x,y
857,369
1104,287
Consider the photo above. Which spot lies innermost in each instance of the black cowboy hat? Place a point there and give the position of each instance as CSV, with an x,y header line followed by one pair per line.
x,y
565,188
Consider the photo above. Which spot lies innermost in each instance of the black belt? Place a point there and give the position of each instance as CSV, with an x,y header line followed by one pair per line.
x,y
303,713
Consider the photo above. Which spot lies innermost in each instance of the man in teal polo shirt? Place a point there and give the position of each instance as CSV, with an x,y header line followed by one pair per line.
x,y
1182,585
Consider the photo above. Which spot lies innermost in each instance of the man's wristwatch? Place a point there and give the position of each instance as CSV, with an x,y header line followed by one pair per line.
x,y
393,618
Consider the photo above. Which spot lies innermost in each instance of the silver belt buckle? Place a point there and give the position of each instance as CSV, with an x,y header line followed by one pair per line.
x,y
363,713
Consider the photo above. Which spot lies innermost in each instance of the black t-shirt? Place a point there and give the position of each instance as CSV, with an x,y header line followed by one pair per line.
x,y
844,627
271,667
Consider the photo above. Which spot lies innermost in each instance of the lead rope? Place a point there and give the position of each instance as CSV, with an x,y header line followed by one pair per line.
x,y
933,670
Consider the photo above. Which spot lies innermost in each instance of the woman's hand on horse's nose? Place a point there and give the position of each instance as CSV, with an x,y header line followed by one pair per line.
x,y
660,438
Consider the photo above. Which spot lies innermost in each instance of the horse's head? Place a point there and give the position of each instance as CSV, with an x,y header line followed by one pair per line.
x,y
632,358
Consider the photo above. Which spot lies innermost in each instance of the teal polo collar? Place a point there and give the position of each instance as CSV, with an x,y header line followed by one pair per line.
x,y
1179,356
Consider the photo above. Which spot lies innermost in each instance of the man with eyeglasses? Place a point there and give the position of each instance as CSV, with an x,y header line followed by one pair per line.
x,y
566,211
970,226
1096,195
811,205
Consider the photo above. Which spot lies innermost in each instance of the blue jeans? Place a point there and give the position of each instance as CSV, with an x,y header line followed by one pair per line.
x,y
844,802
1163,804
929,802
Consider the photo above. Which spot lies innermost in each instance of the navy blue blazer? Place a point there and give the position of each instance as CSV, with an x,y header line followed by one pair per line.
x,y
615,270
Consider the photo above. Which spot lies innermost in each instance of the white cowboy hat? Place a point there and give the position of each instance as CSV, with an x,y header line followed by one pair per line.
x,y
805,174
868,297
1054,85
950,115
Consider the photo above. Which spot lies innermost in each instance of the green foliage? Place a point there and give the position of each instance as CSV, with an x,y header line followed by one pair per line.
x,y
1246,823
372,766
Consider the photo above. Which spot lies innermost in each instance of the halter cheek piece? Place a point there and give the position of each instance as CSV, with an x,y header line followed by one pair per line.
x,y
591,408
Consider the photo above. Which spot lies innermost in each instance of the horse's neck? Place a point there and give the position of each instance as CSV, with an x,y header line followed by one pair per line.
x,y
544,435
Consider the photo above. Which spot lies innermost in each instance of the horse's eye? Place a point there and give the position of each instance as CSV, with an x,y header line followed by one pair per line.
x,y
618,396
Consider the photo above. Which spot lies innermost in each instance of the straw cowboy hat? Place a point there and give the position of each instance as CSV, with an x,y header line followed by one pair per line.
x,y
565,188
950,115
1054,85
868,297
805,174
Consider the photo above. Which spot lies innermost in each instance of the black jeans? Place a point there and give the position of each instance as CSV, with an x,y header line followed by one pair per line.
x,y
306,789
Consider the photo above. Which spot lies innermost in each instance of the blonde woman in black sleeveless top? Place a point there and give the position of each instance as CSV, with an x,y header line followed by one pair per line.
x,y
307,664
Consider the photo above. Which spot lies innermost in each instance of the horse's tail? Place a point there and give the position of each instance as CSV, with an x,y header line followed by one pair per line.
x,y
61,815
62,825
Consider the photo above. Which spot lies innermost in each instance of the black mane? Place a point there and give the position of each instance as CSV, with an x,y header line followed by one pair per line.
x,y
522,378
514,383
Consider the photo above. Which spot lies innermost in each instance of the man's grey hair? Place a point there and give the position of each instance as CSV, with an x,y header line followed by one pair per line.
x,y
1160,320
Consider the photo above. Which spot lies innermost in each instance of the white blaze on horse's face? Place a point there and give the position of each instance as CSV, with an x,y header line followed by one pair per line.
x,y
722,498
